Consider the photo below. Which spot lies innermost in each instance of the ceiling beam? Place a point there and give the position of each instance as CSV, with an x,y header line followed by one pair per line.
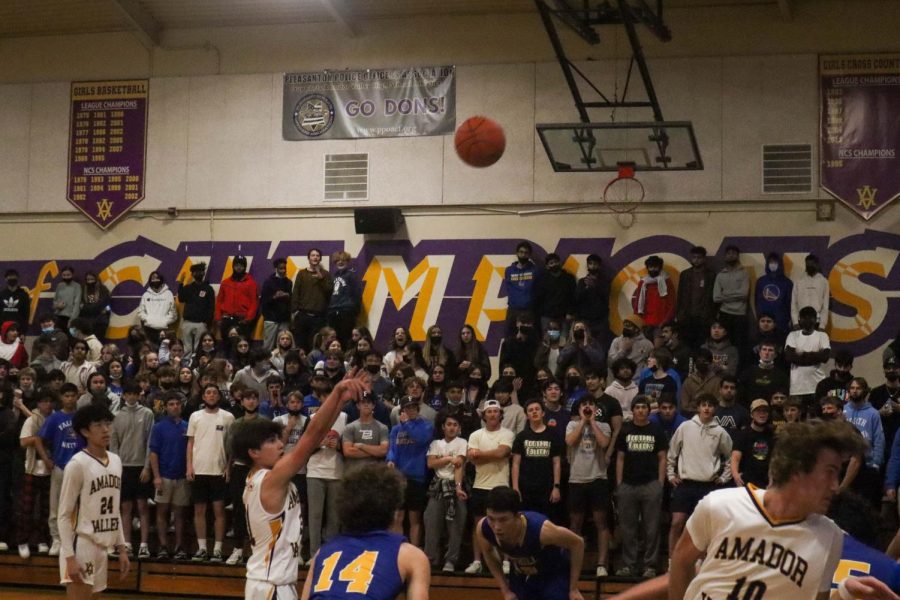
x,y
145,26
341,13
787,9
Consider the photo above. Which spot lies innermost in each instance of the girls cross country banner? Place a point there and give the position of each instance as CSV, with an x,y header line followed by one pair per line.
x,y
370,103
860,130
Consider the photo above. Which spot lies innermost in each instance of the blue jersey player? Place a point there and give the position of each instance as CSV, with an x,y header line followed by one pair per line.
x,y
545,559
367,561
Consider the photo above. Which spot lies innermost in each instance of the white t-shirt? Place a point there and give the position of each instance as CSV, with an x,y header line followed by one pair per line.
x,y
275,555
33,465
805,378
748,555
442,448
209,431
495,473
328,463
587,461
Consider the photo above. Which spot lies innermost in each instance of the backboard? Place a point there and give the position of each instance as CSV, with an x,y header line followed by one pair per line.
x,y
651,146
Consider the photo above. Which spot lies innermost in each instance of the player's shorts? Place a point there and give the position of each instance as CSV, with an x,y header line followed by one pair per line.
x,y
478,502
591,496
263,590
209,488
174,491
416,496
93,562
132,488
540,588
688,494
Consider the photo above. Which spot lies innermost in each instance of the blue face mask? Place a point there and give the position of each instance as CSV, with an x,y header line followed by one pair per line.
x,y
553,334
73,332
47,330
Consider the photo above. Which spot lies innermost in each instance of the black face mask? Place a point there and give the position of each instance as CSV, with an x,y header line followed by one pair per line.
x,y
507,378
373,369
156,284
475,381
12,282
578,334
436,340
892,377
294,413
573,382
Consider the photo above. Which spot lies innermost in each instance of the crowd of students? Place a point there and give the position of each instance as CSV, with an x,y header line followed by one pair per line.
x,y
627,431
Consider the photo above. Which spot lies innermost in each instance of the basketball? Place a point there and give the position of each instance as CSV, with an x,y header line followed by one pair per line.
x,y
480,142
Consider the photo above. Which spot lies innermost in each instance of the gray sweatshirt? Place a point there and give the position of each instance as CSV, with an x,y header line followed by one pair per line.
x,y
700,452
731,290
70,294
130,435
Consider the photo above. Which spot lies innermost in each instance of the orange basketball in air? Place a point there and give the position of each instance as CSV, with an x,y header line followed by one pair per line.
x,y
480,142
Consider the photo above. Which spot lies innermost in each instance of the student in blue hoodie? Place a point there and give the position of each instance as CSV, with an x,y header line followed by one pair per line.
x,y
773,292
518,281
408,453
867,421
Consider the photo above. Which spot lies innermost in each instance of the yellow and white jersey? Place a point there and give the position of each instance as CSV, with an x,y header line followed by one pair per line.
x,y
274,538
89,501
752,556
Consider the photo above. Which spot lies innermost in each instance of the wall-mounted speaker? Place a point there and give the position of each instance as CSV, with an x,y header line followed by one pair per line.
x,y
377,220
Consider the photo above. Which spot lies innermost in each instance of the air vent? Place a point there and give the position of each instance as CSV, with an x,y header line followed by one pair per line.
x,y
787,169
346,177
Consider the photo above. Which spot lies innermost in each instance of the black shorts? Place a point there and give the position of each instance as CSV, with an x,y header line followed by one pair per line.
x,y
416,495
588,497
208,488
132,488
478,502
688,493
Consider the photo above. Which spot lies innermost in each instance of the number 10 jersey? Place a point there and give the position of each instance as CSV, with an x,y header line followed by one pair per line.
x,y
752,556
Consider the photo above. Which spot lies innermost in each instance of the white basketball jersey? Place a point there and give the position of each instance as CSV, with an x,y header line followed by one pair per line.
x,y
274,538
97,487
751,556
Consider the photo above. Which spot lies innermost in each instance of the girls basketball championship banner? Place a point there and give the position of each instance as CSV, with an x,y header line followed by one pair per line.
x,y
371,103
107,148
860,130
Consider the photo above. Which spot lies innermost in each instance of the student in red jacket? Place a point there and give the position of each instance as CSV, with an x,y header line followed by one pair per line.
x,y
238,300
654,298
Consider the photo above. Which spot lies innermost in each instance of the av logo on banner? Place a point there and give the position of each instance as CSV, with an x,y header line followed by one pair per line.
x,y
107,148
860,130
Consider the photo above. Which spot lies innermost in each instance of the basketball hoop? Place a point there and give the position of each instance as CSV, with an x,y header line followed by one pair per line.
x,y
623,194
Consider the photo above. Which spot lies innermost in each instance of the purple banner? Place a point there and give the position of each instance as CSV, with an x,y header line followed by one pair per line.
x,y
107,148
860,130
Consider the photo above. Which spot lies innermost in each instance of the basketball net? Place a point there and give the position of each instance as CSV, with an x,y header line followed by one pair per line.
x,y
623,194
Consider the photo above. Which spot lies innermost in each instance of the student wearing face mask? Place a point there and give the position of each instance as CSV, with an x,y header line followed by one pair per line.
x,y
15,303
66,298
519,349
238,300
592,301
157,308
773,293
434,352
554,294
580,351
547,356
631,344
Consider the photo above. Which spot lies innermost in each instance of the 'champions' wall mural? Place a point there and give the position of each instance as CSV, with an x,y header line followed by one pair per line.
x,y
451,282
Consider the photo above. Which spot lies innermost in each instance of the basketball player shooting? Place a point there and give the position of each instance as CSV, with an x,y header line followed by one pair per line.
x,y
545,559
774,543
271,500
89,522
